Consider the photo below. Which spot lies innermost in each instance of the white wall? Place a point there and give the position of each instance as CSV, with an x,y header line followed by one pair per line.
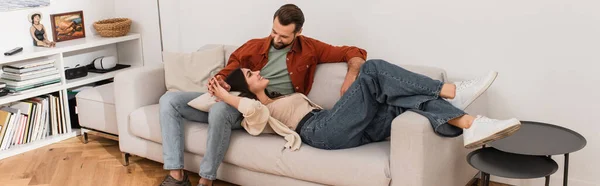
x,y
146,22
547,51
15,27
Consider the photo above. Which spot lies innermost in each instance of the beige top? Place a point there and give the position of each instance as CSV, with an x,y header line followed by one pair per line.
x,y
290,109
280,117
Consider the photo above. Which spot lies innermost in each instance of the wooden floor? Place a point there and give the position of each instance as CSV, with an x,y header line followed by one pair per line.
x,y
72,163
476,183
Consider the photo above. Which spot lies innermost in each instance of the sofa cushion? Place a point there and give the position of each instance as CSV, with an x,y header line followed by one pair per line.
x,y
265,153
257,153
191,71
327,83
364,165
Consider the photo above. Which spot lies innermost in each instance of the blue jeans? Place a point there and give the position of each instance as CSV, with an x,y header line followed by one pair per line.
x,y
222,119
365,112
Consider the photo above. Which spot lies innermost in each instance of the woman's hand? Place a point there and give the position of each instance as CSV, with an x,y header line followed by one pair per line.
x,y
221,93
217,90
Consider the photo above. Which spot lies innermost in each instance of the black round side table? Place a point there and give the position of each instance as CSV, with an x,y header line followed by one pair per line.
x,y
510,165
537,139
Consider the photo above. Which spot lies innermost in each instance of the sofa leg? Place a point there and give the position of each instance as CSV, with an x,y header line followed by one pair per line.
x,y
125,160
85,138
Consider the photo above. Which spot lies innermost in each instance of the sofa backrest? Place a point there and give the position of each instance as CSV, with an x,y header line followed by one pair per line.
x,y
228,49
330,76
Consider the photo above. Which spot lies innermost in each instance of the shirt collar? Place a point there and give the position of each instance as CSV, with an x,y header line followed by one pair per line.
x,y
296,46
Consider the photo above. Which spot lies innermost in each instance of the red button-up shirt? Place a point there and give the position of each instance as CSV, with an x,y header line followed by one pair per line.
x,y
302,59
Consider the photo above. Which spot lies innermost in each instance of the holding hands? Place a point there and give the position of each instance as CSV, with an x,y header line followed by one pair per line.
x,y
216,88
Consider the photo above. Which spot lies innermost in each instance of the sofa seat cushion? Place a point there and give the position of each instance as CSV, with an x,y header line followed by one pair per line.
x,y
364,165
257,153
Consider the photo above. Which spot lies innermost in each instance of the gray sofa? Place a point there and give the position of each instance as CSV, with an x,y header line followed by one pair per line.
x,y
414,155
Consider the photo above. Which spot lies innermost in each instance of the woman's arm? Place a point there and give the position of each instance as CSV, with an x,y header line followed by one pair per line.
x,y
256,115
45,36
218,91
232,100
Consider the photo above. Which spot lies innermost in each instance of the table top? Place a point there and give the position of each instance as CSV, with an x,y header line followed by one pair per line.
x,y
509,165
535,138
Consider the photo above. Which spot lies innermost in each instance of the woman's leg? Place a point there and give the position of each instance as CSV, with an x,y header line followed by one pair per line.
x,y
439,112
380,91
447,120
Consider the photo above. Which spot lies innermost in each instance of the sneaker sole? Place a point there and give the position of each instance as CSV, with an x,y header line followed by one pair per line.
x,y
487,85
498,135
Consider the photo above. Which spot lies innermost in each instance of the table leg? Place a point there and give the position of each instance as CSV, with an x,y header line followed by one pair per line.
x,y
487,179
566,176
548,177
481,178
482,174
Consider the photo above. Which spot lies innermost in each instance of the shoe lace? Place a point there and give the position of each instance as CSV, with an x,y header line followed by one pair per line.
x,y
485,119
465,84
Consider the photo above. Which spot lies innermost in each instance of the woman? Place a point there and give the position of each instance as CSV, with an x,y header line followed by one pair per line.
x,y
365,112
38,32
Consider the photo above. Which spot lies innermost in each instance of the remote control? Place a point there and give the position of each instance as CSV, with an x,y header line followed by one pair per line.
x,y
13,51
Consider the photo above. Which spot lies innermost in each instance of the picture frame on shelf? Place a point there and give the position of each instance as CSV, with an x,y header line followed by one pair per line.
x,y
67,26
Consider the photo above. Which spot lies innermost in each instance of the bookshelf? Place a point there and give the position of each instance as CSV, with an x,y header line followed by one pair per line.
x,y
127,49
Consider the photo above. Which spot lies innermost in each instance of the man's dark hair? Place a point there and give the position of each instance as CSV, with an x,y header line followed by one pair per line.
x,y
290,13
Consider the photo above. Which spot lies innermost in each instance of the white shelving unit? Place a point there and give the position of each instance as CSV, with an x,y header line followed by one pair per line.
x,y
128,49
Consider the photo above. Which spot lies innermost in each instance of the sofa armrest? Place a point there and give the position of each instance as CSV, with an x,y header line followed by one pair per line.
x,y
418,156
135,88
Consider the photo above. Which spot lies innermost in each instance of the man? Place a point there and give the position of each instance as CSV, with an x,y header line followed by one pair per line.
x,y
286,58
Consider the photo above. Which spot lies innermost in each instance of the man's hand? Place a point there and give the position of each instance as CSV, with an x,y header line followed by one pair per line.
x,y
217,80
347,82
353,69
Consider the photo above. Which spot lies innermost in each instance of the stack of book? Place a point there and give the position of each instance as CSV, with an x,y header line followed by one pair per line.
x,y
23,76
31,120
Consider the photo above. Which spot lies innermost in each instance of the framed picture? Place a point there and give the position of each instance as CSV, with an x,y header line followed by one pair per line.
x,y
67,26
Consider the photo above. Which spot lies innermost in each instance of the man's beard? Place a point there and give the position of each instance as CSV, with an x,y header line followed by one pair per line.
x,y
280,46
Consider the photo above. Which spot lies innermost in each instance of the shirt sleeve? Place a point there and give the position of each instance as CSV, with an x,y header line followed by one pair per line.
x,y
331,54
233,63
256,115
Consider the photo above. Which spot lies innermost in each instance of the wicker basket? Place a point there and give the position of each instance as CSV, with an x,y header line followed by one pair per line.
x,y
113,27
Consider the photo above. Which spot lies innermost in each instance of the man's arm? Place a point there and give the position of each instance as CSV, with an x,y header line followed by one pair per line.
x,y
331,54
353,69
232,64
354,56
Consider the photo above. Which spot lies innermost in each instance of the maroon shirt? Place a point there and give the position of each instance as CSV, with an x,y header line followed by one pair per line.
x,y
302,59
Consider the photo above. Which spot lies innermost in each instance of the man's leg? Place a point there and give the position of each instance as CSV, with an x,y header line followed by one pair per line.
x,y
173,109
222,119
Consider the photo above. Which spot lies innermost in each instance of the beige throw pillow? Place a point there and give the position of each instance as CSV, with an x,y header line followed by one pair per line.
x,y
190,72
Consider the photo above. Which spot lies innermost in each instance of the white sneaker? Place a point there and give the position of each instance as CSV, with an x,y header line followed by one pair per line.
x,y
485,130
468,91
